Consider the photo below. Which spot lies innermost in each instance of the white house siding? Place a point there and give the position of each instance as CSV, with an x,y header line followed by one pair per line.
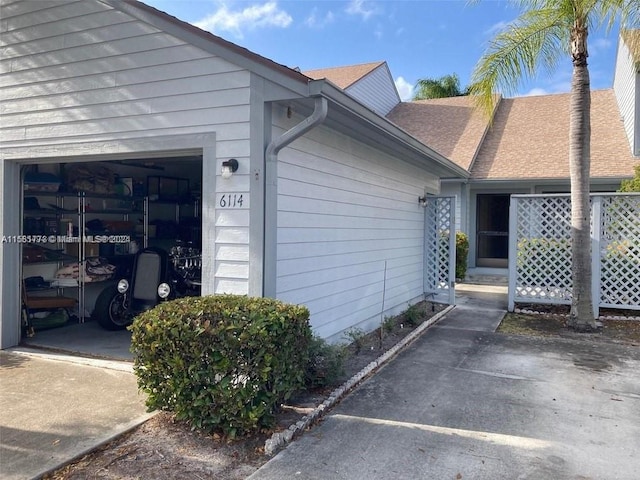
x,y
376,90
454,190
75,72
344,210
625,86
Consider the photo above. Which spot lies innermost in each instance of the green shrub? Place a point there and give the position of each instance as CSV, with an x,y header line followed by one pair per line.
x,y
355,336
412,315
389,324
326,364
221,363
631,185
462,252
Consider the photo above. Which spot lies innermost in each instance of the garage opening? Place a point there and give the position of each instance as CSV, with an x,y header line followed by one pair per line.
x,y
87,226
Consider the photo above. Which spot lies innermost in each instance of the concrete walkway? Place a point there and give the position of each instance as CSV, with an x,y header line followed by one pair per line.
x,y
55,408
464,402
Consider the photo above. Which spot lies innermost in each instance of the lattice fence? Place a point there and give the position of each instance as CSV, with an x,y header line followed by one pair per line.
x,y
620,251
440,248
540,250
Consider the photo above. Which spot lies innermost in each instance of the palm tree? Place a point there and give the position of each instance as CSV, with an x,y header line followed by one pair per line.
x,y
443,87
546,31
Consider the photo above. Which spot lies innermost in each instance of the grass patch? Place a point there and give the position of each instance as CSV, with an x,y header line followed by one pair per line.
x,y
525,324
541,325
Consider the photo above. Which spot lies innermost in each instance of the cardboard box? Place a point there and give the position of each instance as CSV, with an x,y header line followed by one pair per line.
x,y
90,249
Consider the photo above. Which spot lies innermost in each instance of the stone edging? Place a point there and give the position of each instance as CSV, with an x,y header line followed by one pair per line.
x,y
566,315
279,439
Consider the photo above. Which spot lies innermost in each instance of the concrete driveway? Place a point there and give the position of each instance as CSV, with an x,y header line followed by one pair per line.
x,y
54,408
464,402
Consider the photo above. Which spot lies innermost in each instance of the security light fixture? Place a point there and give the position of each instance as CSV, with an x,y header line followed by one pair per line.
x,y
422,201
229,167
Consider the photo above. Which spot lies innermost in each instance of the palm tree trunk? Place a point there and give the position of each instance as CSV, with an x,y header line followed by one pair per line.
x,y
581,317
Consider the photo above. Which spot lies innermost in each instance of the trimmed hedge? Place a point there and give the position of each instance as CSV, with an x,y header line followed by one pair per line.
x,y
221,363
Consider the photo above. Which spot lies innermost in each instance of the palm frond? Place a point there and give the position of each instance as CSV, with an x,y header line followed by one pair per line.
x,y
536,38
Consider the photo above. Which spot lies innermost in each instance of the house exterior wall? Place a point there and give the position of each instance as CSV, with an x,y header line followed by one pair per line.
x,y
344,210
456,190
82,80
376,90
626,86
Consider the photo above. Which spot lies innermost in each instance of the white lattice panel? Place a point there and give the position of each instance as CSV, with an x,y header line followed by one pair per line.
x,y
540,237
543,239
439,254
620,252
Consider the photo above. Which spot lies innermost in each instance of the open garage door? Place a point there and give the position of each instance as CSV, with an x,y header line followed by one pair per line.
x,y
84,225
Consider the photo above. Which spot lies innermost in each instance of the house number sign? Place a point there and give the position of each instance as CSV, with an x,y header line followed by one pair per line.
x,y
232,200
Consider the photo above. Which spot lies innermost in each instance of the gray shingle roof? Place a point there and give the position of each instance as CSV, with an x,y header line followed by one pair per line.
x,y
343,77
451,126
528,139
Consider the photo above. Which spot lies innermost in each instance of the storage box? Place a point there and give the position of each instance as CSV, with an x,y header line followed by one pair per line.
x,y
118,226
41,182
167,188
90,249
40,226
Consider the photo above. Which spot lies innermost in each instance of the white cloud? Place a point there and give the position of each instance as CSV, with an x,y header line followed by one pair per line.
x,y
405,89
316,21
496,28
255,16
378,32
597,45
535,92
557,85
362,8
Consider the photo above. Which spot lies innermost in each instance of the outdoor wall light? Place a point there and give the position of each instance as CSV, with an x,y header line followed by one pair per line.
x,y
229,167
422,201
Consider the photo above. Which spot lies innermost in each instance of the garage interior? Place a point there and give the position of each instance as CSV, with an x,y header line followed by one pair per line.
x,y
122,207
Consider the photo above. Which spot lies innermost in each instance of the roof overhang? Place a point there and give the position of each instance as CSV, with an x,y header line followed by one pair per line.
x,y
519,182
348,115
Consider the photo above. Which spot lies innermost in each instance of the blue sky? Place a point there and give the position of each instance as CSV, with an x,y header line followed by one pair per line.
x,y
418,39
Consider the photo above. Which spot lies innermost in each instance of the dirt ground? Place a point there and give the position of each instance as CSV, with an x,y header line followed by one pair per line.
x,y
168,449
551,321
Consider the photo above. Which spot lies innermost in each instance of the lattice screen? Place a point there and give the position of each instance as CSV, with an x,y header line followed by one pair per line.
x,y
543,239
620,251
439,257
540,240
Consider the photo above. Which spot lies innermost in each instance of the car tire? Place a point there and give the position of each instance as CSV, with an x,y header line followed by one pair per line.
x,y
109,310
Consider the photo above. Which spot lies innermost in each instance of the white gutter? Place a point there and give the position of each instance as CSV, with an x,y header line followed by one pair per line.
x,y
270,206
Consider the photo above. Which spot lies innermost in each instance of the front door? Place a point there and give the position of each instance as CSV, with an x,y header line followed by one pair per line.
x,y
492,225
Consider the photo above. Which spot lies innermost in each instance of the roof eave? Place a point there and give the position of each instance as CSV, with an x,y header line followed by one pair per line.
x,y
387,132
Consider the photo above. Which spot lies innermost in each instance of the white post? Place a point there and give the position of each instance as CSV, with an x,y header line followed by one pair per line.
x,y
596,221
452,251
513,251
